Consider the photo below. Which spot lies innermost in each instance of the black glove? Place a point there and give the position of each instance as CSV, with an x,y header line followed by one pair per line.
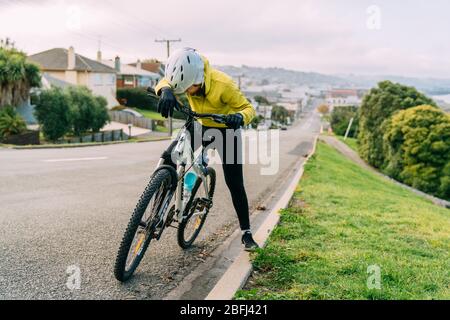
x,y
234,121
167,103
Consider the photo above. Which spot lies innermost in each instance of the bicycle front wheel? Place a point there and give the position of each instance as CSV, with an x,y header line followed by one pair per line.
x,y
196,210
142,225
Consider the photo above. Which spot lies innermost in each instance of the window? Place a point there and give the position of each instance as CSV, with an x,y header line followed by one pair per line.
x,y
109,79
129,80
97,79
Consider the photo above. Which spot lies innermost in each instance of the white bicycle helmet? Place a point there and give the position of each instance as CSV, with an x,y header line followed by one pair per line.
x,y
184,68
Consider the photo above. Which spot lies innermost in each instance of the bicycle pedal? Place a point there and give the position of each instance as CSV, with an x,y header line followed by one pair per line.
x,y
206,202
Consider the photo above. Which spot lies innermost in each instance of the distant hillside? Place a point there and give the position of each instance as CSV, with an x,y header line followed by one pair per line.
x,y
430,86
282,76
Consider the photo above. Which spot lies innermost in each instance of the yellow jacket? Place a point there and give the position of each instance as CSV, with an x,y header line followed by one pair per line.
x,y
222,96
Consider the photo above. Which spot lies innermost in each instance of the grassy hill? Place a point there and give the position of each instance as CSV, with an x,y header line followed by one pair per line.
x,y
343,221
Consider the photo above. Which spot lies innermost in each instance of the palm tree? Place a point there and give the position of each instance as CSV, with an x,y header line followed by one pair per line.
x,y
17,77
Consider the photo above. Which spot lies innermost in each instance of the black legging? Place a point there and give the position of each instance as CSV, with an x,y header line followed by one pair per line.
x,y
232,168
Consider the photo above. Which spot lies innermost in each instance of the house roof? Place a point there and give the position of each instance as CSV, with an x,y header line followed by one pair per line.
x,y
56,59
154,67
342,93
126,69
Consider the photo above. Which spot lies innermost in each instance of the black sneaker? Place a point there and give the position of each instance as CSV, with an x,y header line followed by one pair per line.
x,y
248,242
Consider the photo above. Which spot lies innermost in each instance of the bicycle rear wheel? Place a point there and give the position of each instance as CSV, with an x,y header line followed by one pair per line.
x,y
142,225
196,210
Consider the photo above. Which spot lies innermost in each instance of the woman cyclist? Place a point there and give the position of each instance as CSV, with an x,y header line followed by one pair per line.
x,y
211,91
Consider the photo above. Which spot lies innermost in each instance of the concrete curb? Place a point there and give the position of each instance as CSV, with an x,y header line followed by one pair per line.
x,y
239,271
80,145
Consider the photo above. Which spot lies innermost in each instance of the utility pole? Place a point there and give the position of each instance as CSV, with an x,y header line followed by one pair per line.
x,y
168,42
240,81
348,128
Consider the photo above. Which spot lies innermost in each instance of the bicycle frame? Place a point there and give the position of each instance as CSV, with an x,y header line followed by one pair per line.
x,y
183,154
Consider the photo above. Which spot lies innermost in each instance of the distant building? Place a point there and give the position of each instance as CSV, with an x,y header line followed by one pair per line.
x,y
343,98
131,76
67,66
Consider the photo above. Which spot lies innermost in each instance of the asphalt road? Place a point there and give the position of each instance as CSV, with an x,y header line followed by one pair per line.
x,y
63,209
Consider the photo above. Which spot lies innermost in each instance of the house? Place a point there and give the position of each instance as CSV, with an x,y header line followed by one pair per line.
x,y
26,109
129,76
67,66
151,65
343,98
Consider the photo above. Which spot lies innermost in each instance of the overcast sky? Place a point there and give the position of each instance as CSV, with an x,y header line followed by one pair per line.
x,y
401,37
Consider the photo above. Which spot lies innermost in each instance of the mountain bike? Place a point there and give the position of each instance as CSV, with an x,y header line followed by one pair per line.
x,y
167,202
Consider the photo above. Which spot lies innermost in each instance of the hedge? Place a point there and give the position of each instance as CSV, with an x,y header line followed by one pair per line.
x,y
139,98
417,148
380,104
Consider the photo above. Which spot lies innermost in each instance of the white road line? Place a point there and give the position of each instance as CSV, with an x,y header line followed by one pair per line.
x,y
75,159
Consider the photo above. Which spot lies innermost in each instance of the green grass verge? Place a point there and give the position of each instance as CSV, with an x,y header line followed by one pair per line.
x,y
344,219
150,114
161,129
351,142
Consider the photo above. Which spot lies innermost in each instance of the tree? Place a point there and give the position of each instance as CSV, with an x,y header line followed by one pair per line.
x,y
53,113
81,107
88,112
323,109
101,116
256,121
380,104
279,114
262,100
417,147
340,119
17,77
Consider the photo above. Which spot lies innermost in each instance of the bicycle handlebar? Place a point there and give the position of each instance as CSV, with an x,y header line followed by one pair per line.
x,y
219,118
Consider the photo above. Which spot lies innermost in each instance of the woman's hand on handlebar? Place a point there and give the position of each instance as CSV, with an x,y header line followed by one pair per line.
x,y
234,121
167,103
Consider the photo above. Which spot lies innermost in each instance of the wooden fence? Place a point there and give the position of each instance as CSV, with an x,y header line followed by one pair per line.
x,y
127,118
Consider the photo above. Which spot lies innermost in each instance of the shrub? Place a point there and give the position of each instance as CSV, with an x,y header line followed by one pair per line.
x,y
417,147
53,113
75,109
139,98
88,112
377,106
340,119
11,123
101,116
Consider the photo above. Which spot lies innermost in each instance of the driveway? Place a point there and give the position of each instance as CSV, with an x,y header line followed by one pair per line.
x,y
135,131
